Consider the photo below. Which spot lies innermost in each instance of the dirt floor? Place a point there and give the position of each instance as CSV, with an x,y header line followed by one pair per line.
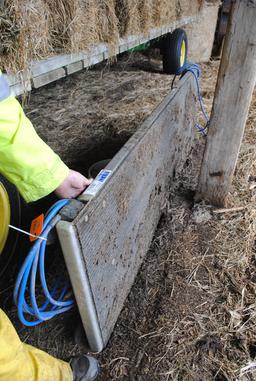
x,y
191,313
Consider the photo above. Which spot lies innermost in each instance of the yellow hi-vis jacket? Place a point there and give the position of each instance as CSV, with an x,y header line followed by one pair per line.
x,y
25,160
22,362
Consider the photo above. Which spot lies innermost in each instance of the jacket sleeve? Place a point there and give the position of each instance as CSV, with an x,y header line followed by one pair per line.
x,y
25,160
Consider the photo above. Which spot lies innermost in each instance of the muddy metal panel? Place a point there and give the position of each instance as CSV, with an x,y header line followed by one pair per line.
x,y
114,230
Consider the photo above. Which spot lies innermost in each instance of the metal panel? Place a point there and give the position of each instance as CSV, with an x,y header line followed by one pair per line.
x,y
115,228
80,284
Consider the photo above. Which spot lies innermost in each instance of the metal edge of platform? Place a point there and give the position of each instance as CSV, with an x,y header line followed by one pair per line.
x,y
80,284
51,69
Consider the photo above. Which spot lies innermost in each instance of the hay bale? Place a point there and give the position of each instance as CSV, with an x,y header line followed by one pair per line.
x,y
146,11
164,12
24,27
61,23
186,8
9,31
127,12
107,25
73,25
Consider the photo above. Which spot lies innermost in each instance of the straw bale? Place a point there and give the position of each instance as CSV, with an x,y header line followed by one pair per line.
x,y
186,7
146,10
24,28
9,31
78,24
107,21
127,12
62,15
163,12
73,25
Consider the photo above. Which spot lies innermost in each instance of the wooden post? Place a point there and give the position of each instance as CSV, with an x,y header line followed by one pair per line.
x,y
233,95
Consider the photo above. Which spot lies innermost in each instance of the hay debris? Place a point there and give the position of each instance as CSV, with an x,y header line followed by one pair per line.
x,y
96,106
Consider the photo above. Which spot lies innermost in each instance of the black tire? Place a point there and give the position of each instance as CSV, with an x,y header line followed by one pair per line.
x,y
11,243
172,48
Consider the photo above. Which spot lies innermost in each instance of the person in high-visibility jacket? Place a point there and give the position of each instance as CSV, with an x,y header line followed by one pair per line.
x,y
36,171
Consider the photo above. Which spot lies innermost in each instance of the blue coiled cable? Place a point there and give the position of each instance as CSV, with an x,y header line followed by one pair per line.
x,y
26,280
196,71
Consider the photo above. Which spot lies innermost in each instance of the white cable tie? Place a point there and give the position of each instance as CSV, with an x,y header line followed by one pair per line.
x,y
27,233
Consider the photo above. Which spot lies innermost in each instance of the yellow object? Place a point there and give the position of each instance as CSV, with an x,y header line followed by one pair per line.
x,y
183,53
22,362
5,214
25,160
36,170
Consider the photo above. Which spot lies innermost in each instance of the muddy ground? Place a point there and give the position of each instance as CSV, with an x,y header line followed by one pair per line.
x,y
191,312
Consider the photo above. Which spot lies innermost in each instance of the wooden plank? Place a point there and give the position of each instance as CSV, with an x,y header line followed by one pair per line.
x,y
20,88
94,60
110,53
234,89
49,77
123,48
74,67
115,229
56,62
19,83
13,79
98,49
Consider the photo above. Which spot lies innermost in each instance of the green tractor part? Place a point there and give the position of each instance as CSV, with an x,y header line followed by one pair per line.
x,y
140,48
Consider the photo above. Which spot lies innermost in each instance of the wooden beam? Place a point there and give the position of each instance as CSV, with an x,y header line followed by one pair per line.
x,y
236,81
49,77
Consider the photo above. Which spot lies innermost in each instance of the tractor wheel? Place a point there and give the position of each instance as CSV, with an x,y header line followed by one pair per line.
x,y
174,50
10,213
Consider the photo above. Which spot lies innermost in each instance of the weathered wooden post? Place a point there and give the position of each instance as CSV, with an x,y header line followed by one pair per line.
x,y
233,95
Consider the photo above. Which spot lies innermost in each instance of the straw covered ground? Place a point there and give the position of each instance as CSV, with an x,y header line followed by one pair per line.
x,y
36,29
191,313
92,108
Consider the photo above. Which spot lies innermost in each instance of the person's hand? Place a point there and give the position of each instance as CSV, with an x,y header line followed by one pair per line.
x,y
73,185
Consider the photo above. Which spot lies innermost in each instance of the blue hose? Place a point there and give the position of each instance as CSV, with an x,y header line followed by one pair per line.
x,y
195,70
26,280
